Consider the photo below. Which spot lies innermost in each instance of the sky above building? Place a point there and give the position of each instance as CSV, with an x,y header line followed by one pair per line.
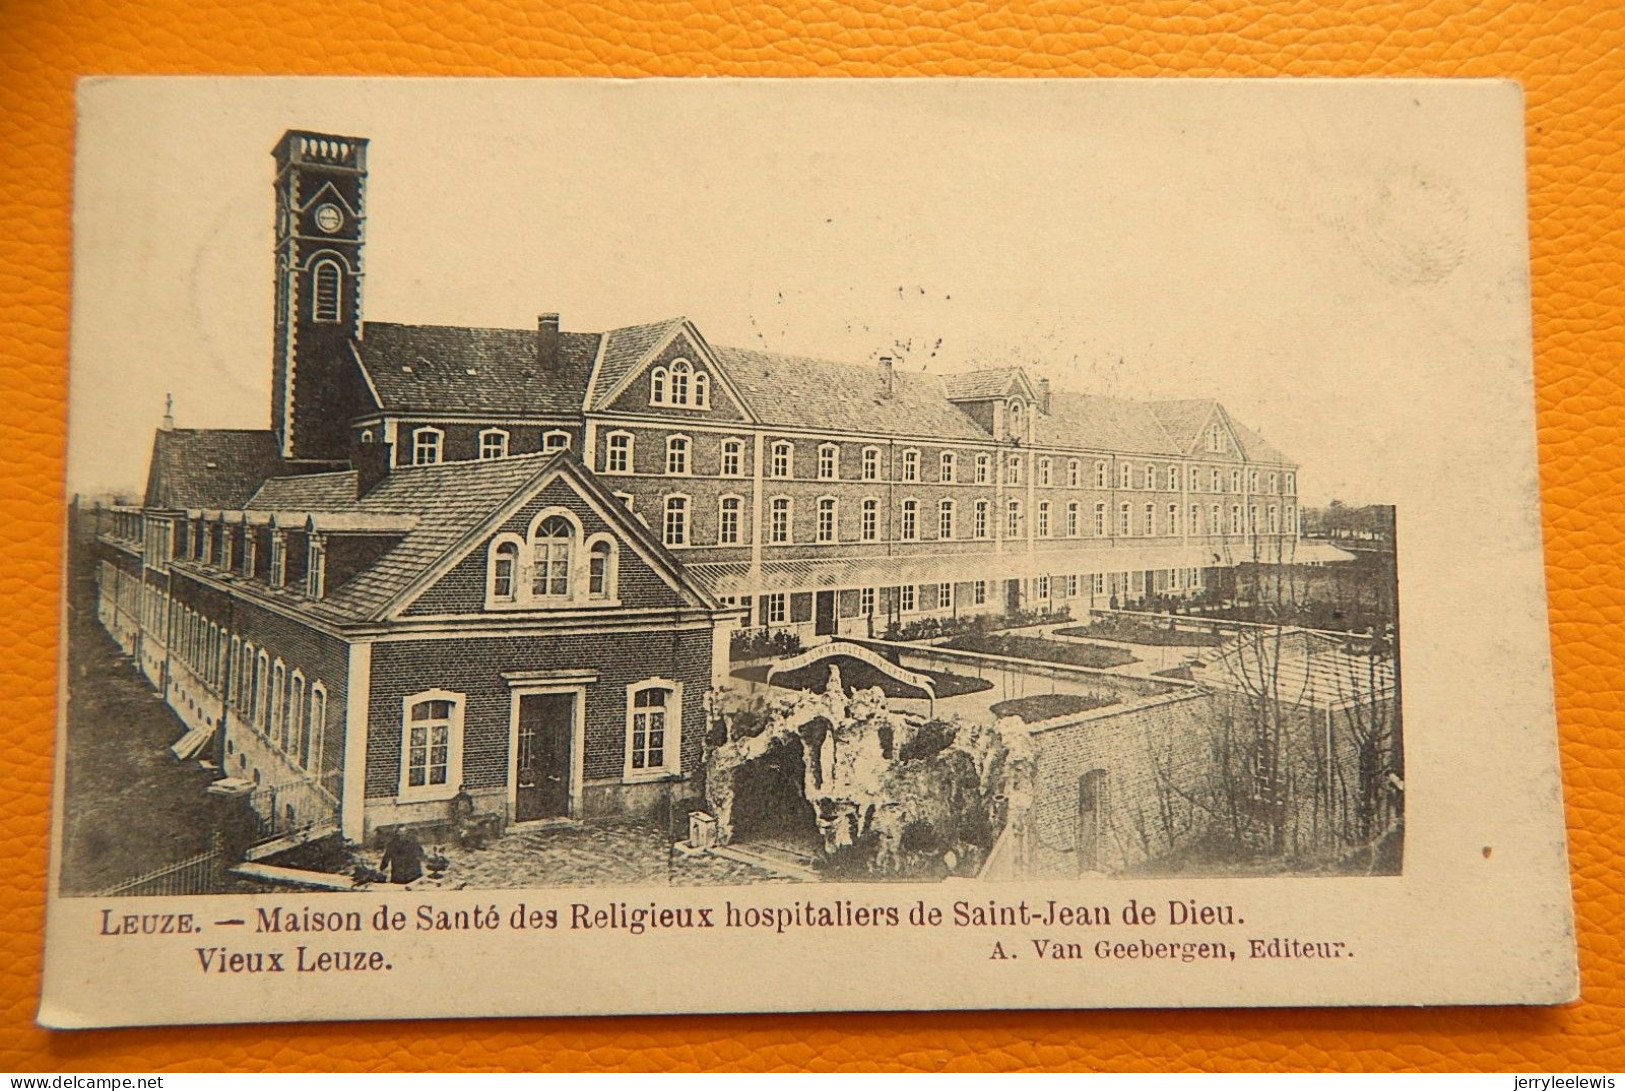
x,y
1320,257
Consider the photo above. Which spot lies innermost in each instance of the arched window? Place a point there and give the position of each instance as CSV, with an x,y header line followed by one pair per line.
x,y
1012,521
279,707
733,458
910,529
601,569
826,519
945,519
366,435
829,462
1042,529
778,523
729,509
871,464
946,472
675,528
702,390
1074,473
327,292
551,547
505,571
979,520
1126,478
911,465
869,520
432,750
426,446
657,386
680,372
493,443
1014,410
318,725
618,459
555,441
262,684
1044,470
654,718
298,742
783,462
677,455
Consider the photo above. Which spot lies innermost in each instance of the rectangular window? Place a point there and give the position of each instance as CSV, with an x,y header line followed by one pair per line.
x,y
619,458
866,602
1126,477
647,746
780,465
1173,520
947,470
1072,587
733,460
869,526
979,592
1074,474
1100,475
826,520
677,455
676,524
1214,482
1150,519
984,469
425,447
1012,519
911,465
1072,520
1235,518
1012,470
1100,520
1045,470
779,521
911,527
1125,522
493,444
871,464
1043,519
1195,480
827,463
1097,583
1041,587
428,758
906,598
728,520
945,596
945,520
776,608
979,520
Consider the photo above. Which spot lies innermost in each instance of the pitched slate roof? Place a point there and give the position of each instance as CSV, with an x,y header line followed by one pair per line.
x,y
991,382
470,369
1109,424
803,392
1298,668
623,348
209,467
1184,420
1254,446
450,501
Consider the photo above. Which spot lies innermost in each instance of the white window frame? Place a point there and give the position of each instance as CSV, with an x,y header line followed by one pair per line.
x,y
672,744
612,570
1100,519
834,525
947,464
945,596
829,462
686,506
738,519
979,593
871,464
501,447
493,556
979,520
679,452
320,311
438,438
777,603
789,528
1012,519
1046,471
555,434
625,451
984,469
1100,474
911,466
1125,475
908,598
1041,588
788,450
869,519
405,791
1012,470
866,602
1074,519
734,449
945,520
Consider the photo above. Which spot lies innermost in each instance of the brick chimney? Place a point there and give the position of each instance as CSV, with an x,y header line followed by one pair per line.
x,y
547,341
1043,396
371,462
887,375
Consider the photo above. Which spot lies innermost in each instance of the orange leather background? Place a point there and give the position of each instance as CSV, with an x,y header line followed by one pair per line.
x,y
1571,60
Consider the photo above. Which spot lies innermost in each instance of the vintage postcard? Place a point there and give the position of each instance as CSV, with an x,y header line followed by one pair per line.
x,y
554,547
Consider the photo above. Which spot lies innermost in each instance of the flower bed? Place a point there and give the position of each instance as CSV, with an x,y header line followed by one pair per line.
x,y
1047,706
1139,631
856,675
1097,656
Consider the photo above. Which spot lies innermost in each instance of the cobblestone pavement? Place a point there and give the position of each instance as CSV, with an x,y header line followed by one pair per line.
x,y
595,854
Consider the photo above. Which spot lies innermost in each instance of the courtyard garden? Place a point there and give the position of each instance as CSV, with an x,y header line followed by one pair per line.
x,y
1094,656
1046,706
856,675
1136,630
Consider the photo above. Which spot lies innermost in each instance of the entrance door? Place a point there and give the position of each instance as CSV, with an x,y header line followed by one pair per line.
x,y
1012,595
824,614
542,768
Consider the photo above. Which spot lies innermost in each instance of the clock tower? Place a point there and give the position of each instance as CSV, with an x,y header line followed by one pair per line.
x,y
320,186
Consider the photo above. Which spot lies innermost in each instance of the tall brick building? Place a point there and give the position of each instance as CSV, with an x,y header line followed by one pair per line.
x,y
512,557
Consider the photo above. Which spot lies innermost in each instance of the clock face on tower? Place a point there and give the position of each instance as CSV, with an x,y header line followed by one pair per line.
x,y
329,218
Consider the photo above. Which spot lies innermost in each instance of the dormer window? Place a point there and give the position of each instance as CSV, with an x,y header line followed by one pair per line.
x,y
1215,438
505,571
493,443
680,385
1013,410
555,441
426,446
